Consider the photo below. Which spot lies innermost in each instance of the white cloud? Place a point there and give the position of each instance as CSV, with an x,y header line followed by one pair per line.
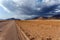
x,y
15,16
52,2
4,8
23,17
1,1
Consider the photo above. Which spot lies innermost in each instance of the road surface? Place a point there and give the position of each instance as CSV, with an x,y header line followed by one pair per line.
x,y
8,30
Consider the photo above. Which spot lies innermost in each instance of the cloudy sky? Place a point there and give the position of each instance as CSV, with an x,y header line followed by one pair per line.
x,y
27,9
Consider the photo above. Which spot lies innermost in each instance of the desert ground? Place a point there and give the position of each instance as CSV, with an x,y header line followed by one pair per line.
x,y
30,30
41,29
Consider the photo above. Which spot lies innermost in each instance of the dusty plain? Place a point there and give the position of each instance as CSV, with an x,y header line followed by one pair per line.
x,y
32,30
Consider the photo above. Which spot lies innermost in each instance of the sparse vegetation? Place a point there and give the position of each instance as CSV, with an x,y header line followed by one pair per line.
x,y
41,29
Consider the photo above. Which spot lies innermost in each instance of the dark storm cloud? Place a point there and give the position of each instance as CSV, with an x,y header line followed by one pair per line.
x,y
25,9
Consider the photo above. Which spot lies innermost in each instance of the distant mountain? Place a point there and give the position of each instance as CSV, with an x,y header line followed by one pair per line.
x,y
38,18
12,19
56,16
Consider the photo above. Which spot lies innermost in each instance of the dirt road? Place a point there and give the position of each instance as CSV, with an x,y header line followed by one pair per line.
x,y
8,31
